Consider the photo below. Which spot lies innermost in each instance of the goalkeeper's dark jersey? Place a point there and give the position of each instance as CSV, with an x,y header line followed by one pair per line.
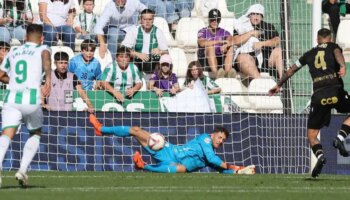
x,y
323,66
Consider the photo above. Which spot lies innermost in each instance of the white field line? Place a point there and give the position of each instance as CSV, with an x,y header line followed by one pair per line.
x,y
162,189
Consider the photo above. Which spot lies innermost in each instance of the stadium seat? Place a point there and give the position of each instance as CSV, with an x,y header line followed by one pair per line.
x,y
181,81
162,24
99,6
187,31
227,24
179,61
35,10
202,7
78,8
144,85
55,49
234,89
103,61
259,99
343,38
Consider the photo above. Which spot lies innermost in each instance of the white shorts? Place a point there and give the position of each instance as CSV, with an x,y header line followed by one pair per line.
x,y
14,114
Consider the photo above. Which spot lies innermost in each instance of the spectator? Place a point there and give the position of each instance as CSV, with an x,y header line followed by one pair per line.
x,y
214,49
116,16
334,9
147,42
259,49
15,15
123,75
84,23
85,66
62,85
177,9
58,17
164,80
194,72
4,49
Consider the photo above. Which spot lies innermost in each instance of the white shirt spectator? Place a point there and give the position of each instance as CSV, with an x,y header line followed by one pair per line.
x,y
57,11
131,36
120,18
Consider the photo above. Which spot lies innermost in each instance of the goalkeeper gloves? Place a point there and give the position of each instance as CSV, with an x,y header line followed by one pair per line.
x,y
250,169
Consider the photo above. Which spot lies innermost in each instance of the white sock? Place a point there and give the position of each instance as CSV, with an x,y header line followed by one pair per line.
x,y
340,137
30,149
4,145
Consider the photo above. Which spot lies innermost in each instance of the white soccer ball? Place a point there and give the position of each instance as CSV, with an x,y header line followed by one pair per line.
x,y
156,141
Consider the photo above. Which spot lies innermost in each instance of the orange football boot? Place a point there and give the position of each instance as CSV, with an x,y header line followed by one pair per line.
x,y
139,163
96,124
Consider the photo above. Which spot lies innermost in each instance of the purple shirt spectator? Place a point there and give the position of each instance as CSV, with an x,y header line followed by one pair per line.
x,y
205,33
164,83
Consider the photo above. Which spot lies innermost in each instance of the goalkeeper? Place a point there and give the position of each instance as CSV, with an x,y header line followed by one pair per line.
x,y
194,155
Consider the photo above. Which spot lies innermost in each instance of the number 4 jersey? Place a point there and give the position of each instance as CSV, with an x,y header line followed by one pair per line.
x,y
323,66
24,67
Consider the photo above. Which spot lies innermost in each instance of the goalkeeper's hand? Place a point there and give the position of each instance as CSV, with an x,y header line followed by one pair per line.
x,y
250,169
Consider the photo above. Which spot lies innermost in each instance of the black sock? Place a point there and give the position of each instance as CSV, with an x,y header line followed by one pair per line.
x,y
318,151
343,132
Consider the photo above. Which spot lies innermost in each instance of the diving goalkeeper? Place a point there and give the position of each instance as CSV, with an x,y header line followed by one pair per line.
x,y
192,156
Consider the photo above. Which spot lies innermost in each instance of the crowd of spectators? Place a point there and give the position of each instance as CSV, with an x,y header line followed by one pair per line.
x,y
139,48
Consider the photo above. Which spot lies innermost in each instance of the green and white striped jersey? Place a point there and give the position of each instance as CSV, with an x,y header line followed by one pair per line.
x,y
23,65
120,79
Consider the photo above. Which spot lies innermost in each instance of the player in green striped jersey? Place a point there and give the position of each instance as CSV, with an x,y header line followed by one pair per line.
x,y
22,69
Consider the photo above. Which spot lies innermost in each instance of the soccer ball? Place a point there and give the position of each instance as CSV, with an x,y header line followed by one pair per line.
x,y
156,141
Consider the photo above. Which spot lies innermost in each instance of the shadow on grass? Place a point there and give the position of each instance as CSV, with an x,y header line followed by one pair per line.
x,y
11,187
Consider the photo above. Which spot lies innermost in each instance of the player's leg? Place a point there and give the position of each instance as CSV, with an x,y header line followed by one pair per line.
x,y
343,107
318,117
11,119
33,117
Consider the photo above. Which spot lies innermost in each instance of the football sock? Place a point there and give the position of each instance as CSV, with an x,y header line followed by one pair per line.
x,y
318,151
121,131
30,149
344,132
228,171
161,168
4,145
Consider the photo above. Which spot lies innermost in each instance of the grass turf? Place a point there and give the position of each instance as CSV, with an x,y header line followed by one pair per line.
x,y
138,185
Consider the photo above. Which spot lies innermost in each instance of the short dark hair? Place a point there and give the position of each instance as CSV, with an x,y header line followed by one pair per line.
x,y
93,1
4,45
88,43
147,11
324,32
219,129
34,29
61,55
123,50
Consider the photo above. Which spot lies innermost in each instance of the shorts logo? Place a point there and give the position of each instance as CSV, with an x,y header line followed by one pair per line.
x,y
329,101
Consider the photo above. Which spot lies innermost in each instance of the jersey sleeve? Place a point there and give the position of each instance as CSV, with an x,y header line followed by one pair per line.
x,y
208,151
302,60
98,72
72,65
201,34
211,84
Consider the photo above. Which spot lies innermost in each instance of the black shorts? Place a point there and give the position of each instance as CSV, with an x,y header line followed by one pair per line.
x,y
322,103
146,67
204,62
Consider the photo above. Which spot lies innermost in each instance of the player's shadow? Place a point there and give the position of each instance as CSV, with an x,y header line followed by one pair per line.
x,y
324,179
11,187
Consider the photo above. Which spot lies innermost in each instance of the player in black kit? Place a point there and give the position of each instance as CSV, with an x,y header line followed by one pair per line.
x,y
327,67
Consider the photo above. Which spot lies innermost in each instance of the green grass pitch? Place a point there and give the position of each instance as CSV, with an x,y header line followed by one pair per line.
x,y
143,185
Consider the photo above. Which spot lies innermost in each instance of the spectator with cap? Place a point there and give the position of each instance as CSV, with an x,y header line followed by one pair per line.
x,y
214,47
115,18
164,80
258,44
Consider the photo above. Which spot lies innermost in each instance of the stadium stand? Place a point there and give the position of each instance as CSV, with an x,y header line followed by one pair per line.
x,y
343,38
258,98
202,7
179,61
162,24
235,90
99,6
187,31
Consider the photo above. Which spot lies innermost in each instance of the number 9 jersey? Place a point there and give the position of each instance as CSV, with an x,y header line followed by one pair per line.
x,y
22,101
24,67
